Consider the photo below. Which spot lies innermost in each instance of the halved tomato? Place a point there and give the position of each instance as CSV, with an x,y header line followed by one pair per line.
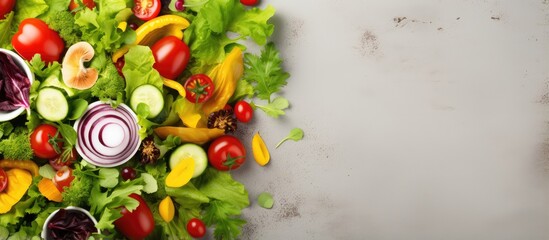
x,y
199,88
146,9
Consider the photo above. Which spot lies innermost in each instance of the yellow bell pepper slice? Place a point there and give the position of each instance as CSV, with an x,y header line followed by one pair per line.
x,y
260,151
191,135
19,181
166,209
153,30
225,77
175,85
181,174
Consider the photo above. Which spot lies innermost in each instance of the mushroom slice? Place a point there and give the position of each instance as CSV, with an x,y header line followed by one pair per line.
x,y
75,74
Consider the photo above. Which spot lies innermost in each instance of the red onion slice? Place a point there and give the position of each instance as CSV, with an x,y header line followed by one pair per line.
x,y
107,137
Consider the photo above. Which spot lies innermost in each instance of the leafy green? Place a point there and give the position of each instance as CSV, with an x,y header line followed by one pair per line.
x,y
78,194
265,200
17,145
5,129
226,219
78,107
296,134
43,71
6,26
145,124
207,36
265,72
110,85
55,7
187,196
29,9
220,185
243,90
139,70
47,171
63,23
108,177
275,108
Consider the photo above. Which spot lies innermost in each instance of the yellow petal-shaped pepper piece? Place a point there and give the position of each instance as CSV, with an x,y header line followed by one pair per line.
x,y
260,151
19,181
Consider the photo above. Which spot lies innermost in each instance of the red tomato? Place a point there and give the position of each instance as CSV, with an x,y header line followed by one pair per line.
x,y
171,56
3,180
5,7
196,228
199,88
243,111
226,153
88,3
146,9
63,178
137,224
34,37
58,162
249,2
40,144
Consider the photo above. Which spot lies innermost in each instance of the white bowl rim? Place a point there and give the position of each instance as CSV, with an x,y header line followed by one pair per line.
x,y
6,116
45,227
134,151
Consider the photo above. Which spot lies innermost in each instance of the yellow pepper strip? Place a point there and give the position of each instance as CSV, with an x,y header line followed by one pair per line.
x,y
181,174
22,164
225,77
166,209
19,181
49,190
153,30
175,85
190,113
191,135
261,153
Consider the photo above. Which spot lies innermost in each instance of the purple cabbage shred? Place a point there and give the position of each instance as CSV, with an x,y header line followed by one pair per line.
x,y
14,85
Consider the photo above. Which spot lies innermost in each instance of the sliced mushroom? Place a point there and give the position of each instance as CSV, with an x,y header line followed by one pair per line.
x,y
75,74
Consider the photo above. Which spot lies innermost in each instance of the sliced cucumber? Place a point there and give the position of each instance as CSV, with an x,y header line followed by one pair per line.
x,y
195,152
150,95
51,104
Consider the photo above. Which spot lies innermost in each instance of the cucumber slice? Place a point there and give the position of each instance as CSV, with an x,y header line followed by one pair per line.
x,y
51,104
190,150
150,95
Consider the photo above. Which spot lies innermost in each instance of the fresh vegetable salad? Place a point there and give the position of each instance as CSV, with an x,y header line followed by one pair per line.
x,y
129,124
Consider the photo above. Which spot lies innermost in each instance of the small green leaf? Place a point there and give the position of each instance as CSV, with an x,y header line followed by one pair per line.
x,y
78,107
68,133
47,171
151,186
108,177
296,134
265,200
275,108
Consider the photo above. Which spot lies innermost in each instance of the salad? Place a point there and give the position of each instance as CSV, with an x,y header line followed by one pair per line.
x,y
129,122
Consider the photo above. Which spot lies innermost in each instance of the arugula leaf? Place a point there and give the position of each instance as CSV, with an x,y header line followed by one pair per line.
x,y
265,72
296,134
275,108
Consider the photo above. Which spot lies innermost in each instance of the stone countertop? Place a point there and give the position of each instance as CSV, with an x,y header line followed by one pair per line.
x,y
423,119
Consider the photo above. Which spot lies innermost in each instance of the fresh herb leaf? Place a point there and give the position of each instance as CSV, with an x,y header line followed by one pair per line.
x,y
265,200
296,134
47,171
265,72
108,177
275,108
225,217
78,107
68,133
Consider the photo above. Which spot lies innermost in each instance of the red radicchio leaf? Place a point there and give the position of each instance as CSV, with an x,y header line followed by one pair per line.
x,y
71,224
14,85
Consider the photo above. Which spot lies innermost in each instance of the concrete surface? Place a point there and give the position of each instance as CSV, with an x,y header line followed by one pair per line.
x,y
424,119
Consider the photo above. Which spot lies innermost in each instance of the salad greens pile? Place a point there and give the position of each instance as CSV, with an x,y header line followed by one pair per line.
x,y
216,27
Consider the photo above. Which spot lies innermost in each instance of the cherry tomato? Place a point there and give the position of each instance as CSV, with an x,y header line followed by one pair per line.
x,y
128,173
6,6
88,3
199,88
249,2
58,162
40,144
35,37
146,9
137,224
226,153
243,111
196,228
171,56
3,180
63,178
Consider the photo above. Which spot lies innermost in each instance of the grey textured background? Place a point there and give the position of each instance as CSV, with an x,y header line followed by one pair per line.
x,y
424,119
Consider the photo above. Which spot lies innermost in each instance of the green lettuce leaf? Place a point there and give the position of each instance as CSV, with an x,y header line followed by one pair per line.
x,y
139,70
